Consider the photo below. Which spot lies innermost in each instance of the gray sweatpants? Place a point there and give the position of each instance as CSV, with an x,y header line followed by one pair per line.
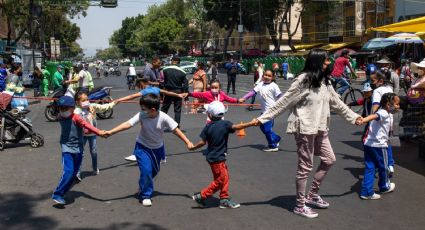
x,y
308,146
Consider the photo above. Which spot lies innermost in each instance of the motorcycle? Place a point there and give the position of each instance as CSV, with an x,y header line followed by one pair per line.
x,y
131,82
15,126
103,94
112,71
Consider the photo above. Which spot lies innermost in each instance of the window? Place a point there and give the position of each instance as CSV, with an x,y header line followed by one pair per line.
x,y
349,3
321,31
350,26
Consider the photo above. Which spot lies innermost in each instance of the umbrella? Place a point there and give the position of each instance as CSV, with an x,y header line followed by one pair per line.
x,y
350,52
404,38
376,44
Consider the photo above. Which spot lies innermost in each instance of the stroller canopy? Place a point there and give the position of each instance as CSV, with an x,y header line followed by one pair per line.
x,y
5,98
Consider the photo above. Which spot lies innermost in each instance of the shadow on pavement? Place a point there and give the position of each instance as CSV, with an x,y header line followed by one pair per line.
x,y
125,226
16,212
355,188
71,196
286,202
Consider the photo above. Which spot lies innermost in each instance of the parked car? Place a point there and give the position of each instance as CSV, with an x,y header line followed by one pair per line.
x,y
189,67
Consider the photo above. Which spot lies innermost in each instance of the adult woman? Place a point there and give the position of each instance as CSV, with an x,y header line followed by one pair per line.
x,y
36,82
199,81
212,71
418,84
309,99
14,80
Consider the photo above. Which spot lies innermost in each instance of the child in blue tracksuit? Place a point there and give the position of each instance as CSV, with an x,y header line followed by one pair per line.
x,y
376,143
71,141
149,149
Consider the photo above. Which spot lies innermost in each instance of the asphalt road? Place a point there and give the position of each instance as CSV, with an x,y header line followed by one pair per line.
x,y
262,182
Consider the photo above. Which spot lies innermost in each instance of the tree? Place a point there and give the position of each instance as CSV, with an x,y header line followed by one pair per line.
x,y
112,52
120,37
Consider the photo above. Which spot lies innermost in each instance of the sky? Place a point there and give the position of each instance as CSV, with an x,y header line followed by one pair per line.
x,y
100,23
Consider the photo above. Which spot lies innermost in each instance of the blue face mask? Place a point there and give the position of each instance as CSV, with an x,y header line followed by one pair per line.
x,y
143,115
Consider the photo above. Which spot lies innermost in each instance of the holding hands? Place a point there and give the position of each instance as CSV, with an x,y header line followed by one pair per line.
x,y
359,121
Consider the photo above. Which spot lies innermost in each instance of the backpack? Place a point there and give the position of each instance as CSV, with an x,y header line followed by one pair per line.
x,y
233,70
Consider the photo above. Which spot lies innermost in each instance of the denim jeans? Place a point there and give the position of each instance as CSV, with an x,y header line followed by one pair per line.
x,y
272,138
93,150
71,162
344,84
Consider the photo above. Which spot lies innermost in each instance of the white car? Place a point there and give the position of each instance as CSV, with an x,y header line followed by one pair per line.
x,y
189,67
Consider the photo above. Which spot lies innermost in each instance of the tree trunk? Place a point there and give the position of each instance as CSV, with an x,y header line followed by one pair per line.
x,y
273,36
228,34
291,34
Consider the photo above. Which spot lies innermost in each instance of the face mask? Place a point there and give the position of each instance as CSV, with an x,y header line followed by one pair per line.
x,y
392,109
85,104
65,114
385,69
143,115
215,91
420,72
255,66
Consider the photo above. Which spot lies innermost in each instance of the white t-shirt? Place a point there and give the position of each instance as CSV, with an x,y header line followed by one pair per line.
x,y
379,92
379,130
268,94
84,80
131,71
152,131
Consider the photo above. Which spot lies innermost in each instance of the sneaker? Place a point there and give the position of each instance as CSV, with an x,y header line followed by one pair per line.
x,y
146,202
316,201
163,161
305,212
268,149
390,189
198,198
59,200
374,196
131,158
96,172
78,178
391,171
227,203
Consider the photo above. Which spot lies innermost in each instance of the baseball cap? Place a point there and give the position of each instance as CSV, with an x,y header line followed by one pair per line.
x,y
66,101
216,109
366,87
60,66
371,69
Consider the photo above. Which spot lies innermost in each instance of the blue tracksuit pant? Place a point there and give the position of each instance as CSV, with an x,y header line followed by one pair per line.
x,y
272,138
375,158
390,156
149,164
71,163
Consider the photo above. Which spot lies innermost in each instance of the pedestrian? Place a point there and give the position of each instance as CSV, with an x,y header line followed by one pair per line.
x,y
232,71
285,69
269,93
150,149
216,134
380,84
376,146
385,65
37,78
151,71
90,83
338,71
72,145
212,71
87,111
199,82
366,102
310,99
143,84
131,73
174,81
44,88
82,79
57,78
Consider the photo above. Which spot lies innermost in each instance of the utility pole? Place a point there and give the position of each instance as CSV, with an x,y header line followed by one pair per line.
x,y
259,24
31,32
240,29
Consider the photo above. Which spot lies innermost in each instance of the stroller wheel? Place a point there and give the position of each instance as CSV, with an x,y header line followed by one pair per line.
x,y
37,140
1,145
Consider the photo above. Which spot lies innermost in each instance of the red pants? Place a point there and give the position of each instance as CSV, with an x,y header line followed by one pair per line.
x,y
220,182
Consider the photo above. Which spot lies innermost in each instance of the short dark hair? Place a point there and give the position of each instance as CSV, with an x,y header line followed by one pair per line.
x,y
156,58
345,52
385,76
150,101
79,94
215,81
387,98
140,79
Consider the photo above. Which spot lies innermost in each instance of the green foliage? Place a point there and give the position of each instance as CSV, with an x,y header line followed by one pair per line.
x,y
112,52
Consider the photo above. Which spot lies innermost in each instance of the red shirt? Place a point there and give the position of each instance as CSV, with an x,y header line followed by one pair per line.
x,y
339,66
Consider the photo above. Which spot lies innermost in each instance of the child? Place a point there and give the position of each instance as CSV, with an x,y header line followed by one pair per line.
x,y
269,92
149,149
143,85
88,111
376,147
366,102
216,134
71,141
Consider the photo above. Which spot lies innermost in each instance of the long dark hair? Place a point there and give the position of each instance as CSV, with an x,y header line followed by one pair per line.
x,y
313,68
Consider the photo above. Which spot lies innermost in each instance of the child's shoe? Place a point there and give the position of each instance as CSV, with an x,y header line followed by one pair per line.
x,y
96,172
227,203
391,171
146,202
316,201
390,189
374,196
131,158
305,212
59,200
78,178
268,149
198,198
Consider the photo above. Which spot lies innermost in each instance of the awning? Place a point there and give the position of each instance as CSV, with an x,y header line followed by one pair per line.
x,y
307,46
335,46
413,26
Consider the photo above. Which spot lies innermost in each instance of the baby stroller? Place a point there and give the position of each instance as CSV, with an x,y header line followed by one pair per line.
x,y
15,126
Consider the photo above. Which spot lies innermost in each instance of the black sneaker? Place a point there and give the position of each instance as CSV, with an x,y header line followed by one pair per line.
x,y
198,198
227,203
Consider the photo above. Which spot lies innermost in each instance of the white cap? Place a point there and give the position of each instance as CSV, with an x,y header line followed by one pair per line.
x,y
131,65
216,109
366,87
415,66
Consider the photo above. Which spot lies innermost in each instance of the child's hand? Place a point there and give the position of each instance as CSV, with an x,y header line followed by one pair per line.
x,y
190,146
183,95
92,110
241,100
254,122
359,121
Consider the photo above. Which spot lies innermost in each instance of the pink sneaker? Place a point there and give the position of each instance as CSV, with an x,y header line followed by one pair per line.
x,y
305,212
316,201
